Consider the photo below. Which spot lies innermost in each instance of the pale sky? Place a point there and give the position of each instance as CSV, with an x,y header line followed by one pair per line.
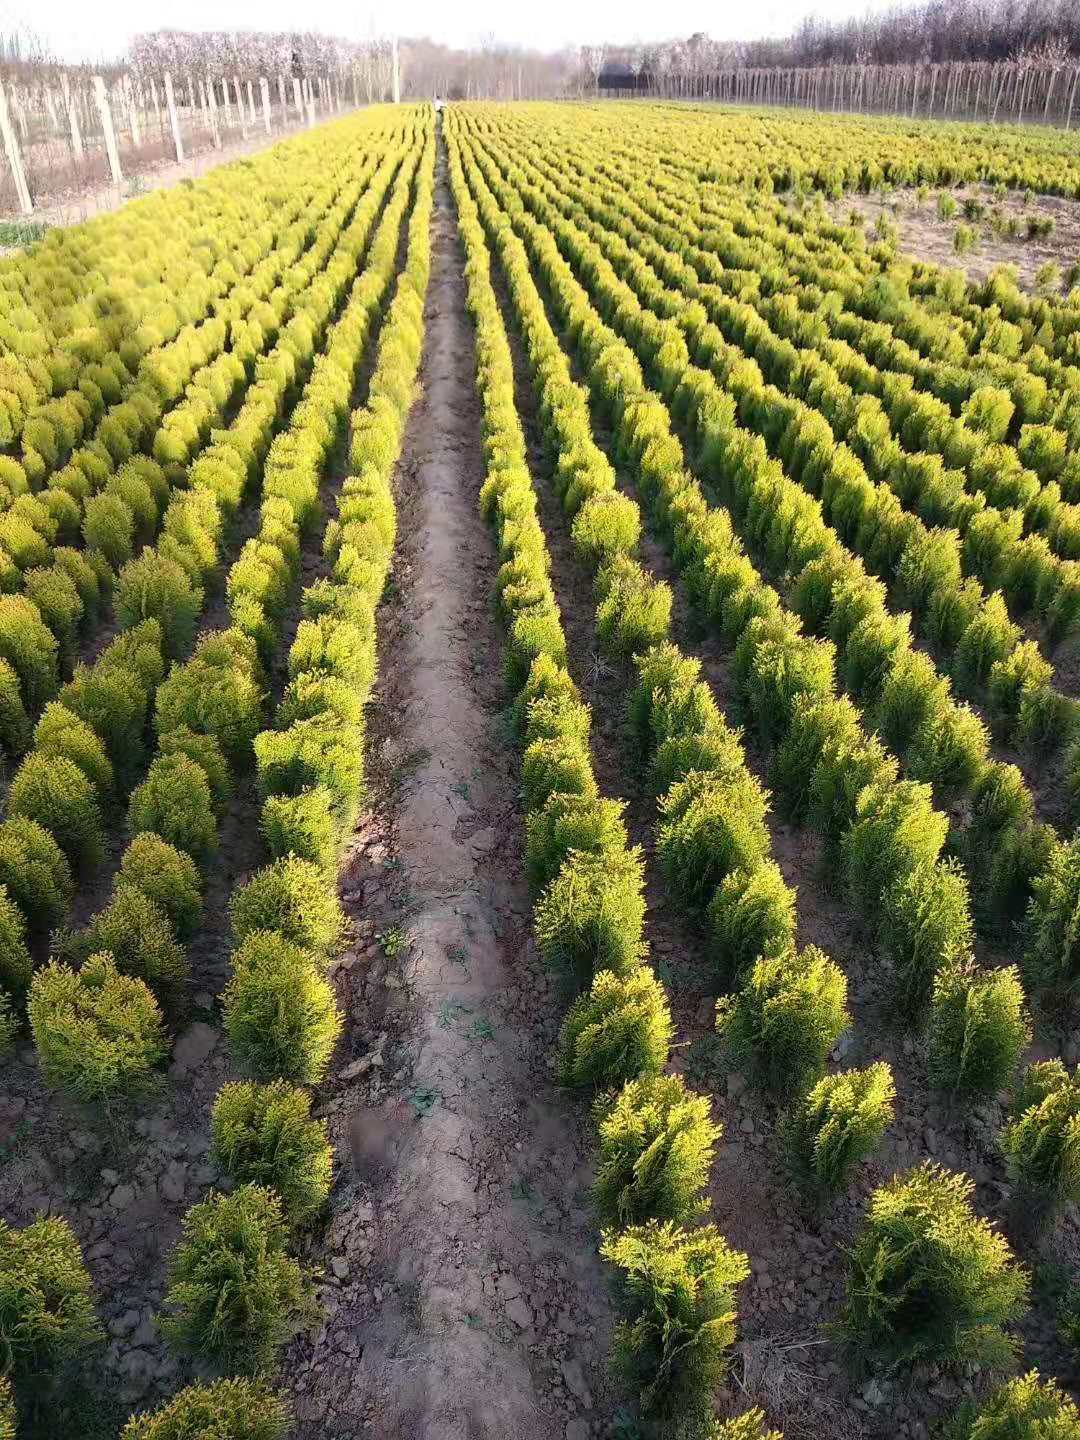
x,y
93,29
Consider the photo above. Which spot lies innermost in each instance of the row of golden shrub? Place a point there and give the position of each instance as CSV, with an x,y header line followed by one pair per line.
x,y
99,1032
279,1009
92,301
1016,859
588,917
818,386
923,565
286,917
1025,569
123,508
920,1230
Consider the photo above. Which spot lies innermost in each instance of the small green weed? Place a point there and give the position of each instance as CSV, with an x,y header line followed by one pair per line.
x,y
423,1099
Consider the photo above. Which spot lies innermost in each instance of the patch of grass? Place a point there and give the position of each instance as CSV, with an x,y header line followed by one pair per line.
x,y
21,232
394,941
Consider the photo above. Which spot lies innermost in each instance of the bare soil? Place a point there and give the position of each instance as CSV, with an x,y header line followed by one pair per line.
x,y
927,237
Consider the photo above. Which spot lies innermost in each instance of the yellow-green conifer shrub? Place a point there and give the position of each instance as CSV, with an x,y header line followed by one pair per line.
x,y
292,898
206,752
606,525
166,876
236,1409
561,766
155,587
924,925
928,1278
174,801
634,613
896,830
109,526
978,1028
217,692
235,1294
319,751
34,872
112,699
54,593
1026,1408
569,822
786,1017
303,825
619,1030
30,648
591,917
7,1410
1041,1141
657,1141
677,1297
59,732
9,1022
14,721
99,1034
15,965
46,1300
264,1134
835,1126
712,824
135,931
55,793
751,916
280,1013
750,1425
1052,951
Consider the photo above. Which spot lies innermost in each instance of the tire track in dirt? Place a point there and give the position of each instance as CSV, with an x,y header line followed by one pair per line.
x,y
494,1316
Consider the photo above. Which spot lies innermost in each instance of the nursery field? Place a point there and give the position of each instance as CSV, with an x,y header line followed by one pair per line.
x,y
538,696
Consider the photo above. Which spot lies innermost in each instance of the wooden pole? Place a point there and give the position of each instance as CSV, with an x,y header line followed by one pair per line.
x,y
73,117
11,145
174,119
240,106
133,113
107,127
210,101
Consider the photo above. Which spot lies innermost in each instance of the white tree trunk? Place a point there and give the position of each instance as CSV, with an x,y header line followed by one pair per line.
x,y
174,119
11,145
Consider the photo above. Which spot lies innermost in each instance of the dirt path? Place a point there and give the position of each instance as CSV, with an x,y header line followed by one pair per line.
x,y
483,1311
